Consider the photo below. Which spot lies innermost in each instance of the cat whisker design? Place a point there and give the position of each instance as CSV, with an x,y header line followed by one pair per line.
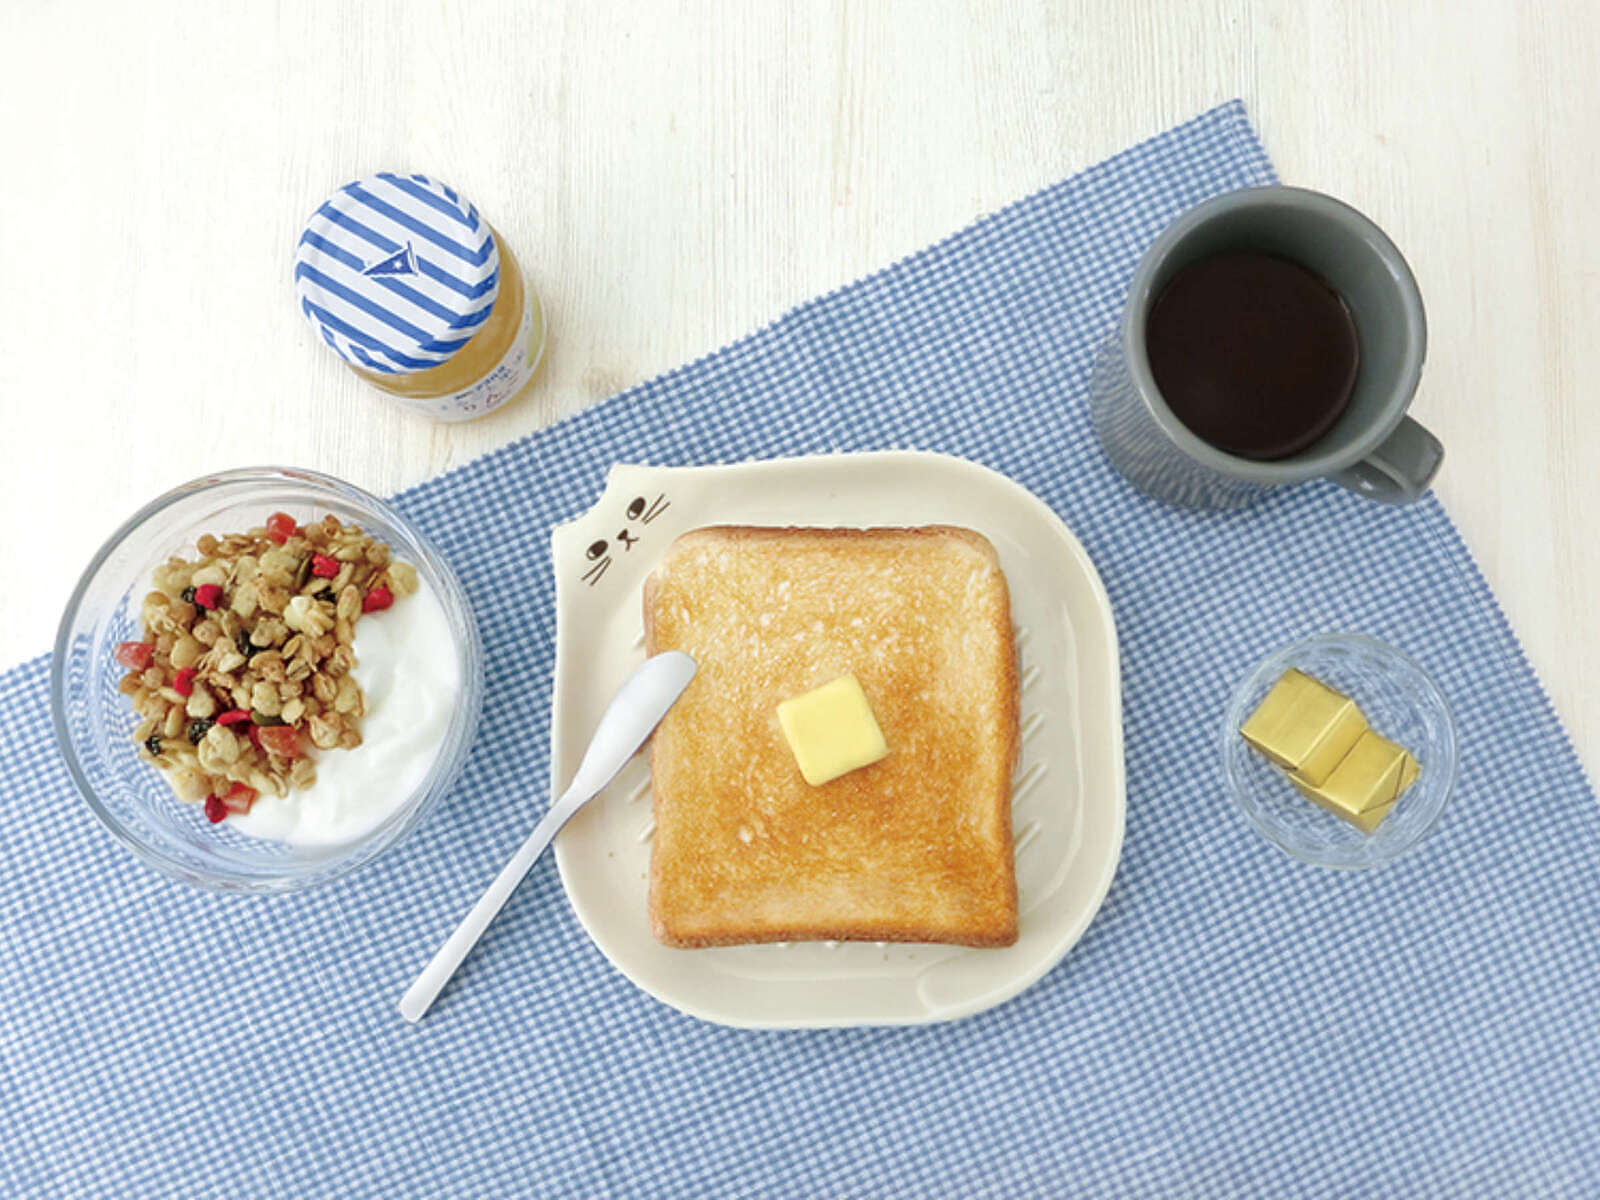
x,y
599,552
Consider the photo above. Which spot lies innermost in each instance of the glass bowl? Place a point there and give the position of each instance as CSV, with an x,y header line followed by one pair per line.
x,y
94,722
1399,701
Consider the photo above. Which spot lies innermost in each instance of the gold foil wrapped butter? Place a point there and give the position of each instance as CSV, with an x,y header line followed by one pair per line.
x,y
1305,727
1364,786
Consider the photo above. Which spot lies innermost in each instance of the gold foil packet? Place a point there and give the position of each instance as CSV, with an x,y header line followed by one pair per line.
x,y
1305,727
1320,738
1364,787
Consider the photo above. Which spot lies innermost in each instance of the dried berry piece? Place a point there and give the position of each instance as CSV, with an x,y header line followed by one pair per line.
x,y
326,596
198,728
233,716
153,744
183,682
188,595
208,595
246,647
135,656
377,599
215,809
278,739
323,566
281,527
239,798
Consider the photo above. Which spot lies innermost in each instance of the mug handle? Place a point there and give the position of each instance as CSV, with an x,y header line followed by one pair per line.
x,y
1399,470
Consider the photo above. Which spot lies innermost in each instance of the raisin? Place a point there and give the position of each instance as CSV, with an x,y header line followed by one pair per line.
x,y
198,729
153,744
326,596
246,647
188,595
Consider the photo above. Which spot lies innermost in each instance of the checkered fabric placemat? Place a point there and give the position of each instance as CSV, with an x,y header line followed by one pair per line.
x,y
1233,1023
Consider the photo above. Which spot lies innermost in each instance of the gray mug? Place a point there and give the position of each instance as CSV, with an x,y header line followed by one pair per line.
x,y
1374,449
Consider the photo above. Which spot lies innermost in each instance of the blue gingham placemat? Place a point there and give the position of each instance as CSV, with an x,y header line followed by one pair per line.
x,y
1232,1024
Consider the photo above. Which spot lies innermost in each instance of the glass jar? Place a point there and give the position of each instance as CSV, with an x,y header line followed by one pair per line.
x,y
420,296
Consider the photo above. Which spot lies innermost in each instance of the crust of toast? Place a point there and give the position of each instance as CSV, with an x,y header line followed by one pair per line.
x,y
915,848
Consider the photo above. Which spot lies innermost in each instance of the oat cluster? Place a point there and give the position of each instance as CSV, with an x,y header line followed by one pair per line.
x,y
247,656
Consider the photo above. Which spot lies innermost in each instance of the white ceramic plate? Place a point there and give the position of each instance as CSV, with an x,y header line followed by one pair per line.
x,y
1067,799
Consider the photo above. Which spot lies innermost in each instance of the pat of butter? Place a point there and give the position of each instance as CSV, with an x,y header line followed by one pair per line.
x,y
1363,788
1305,726
832,730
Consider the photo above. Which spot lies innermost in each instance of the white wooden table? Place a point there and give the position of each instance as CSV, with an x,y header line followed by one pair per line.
x,y
675,175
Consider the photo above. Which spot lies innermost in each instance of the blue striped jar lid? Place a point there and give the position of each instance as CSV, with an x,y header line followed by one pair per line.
x,y
396,272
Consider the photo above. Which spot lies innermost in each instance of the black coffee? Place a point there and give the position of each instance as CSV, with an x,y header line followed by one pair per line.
x,y
1254,353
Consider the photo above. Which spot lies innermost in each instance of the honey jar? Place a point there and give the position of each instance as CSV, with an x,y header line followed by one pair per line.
x,y
420,296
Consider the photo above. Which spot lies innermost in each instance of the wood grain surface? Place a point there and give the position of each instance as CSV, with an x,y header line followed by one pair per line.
x,y
674,175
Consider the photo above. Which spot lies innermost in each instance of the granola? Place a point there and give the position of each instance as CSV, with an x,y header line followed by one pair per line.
x,y
247,657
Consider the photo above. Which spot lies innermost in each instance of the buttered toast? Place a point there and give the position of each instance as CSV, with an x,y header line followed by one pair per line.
x,y
913,848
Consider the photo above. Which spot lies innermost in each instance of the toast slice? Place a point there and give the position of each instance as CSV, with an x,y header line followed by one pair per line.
x,y
915,847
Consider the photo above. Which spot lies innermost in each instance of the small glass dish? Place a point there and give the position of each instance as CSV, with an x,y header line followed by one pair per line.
x,y
1400,701
94,722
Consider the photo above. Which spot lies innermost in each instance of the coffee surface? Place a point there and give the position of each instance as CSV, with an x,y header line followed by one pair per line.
x,y
1254,353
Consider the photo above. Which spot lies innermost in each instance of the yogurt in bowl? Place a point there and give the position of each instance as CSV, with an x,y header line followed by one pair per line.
x,y
410,672
397,718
